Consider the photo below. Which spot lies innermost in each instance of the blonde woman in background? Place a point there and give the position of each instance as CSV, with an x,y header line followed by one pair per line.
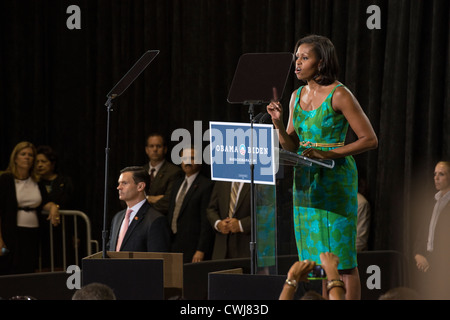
x,y
21,203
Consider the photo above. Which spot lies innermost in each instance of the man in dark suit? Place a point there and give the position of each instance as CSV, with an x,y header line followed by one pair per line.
x,y
231,220
191,232
139,227
162,173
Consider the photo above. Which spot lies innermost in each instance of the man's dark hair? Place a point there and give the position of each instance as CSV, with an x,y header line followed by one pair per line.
x,y
157,134
139,175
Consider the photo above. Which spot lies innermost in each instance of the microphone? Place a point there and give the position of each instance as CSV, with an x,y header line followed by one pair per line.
x,y
266,118
258,117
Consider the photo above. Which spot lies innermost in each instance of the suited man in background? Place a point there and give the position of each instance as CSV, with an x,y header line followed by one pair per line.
x,y
229,214
139,227
191,232
162,173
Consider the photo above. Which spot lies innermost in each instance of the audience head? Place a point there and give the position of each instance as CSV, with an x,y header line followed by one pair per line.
x,y
312,295
94,291
400,293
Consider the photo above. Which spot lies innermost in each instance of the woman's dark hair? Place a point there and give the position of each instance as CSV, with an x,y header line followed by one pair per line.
x,y
139,175
325,51
49,153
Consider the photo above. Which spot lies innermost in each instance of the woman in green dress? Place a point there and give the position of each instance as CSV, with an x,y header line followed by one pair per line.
x,y
325,200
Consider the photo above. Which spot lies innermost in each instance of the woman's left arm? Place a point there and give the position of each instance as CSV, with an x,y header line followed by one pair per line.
x,y
53,210
344,102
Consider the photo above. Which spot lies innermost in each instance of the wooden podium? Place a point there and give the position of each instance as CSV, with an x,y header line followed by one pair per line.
x,y
136,275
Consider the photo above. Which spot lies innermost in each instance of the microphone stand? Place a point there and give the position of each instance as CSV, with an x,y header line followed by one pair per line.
x,y
255,77
253,253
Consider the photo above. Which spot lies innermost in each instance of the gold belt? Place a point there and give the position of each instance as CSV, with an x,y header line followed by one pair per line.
x,y
318,144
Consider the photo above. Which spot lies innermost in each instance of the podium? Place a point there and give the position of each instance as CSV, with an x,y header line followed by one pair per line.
x,y
269,200
136,275
266,284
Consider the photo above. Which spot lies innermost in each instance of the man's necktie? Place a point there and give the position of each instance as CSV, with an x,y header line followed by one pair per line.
x,y
123,229
178,204
233,196
152,175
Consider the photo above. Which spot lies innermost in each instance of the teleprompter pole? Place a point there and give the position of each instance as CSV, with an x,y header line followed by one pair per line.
x,y
109,109
115,92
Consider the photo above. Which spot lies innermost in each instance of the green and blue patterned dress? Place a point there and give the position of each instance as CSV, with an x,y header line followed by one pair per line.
x,y
325,200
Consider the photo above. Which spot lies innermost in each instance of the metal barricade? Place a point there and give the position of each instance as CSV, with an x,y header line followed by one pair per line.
x,y
89,242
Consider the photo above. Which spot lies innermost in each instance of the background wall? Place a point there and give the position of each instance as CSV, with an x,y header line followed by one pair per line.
x,y
54,81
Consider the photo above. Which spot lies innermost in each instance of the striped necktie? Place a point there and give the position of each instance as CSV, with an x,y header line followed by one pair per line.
x,y
233,197
178,204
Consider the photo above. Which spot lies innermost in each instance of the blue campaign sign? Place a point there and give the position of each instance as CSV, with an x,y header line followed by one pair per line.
x,y
235,145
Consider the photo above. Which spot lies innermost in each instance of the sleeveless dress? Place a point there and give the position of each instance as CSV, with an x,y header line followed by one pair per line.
x,y
324,200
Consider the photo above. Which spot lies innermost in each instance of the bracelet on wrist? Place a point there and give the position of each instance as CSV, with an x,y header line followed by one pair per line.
x,y
292,283
335,283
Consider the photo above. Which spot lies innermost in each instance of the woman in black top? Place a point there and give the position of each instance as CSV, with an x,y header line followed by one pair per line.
x,y
21,203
